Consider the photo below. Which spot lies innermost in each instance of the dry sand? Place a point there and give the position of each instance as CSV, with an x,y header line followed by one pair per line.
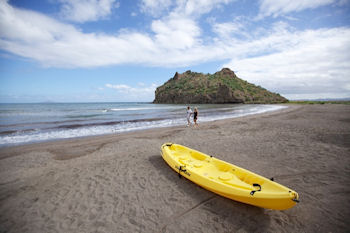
x,y
120,183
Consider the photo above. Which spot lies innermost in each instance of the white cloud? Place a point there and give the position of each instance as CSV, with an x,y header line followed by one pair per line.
x,y
155,7
281,7
183,8
231,29
198,7
227,29
175,33
141,91
25,27
316,64
279,58
87,10
52,43
121,87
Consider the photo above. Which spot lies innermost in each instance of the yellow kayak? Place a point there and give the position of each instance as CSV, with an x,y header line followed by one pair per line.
x,y
227,179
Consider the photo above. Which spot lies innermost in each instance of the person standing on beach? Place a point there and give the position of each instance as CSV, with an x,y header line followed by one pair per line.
x,y
195,115
188,116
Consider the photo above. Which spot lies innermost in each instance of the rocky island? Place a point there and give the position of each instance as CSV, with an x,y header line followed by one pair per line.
x,y
219,88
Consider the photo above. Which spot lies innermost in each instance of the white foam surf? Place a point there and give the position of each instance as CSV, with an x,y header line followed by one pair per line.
x,y
38,136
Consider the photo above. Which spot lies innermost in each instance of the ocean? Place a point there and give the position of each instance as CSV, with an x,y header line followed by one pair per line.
x,y
29,123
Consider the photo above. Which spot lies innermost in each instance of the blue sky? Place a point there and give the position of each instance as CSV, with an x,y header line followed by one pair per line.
x,y
110,50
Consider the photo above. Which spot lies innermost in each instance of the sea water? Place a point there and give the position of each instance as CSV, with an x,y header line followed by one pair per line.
x,y
28,123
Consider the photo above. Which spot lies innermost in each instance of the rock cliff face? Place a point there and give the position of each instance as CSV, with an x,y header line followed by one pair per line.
x,y
219,88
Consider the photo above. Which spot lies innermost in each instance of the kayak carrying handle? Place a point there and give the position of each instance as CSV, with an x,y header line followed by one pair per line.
x,y
167,144
181,170
296,197
255,185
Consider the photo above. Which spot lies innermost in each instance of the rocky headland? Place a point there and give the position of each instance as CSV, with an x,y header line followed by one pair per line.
x,y
219,88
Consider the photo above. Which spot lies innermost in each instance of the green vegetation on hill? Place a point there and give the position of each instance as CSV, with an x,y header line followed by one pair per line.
x,y
222,87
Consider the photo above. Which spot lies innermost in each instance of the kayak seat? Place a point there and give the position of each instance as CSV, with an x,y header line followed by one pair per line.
x,y
198,164
225,176
183,159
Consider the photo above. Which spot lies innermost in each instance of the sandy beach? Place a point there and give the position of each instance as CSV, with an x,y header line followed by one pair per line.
x,y
120,183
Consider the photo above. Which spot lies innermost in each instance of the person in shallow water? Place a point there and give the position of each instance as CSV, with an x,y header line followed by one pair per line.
x,y
188,116
195,116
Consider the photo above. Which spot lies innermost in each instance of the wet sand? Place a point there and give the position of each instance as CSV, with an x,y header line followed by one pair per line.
x,y
120,183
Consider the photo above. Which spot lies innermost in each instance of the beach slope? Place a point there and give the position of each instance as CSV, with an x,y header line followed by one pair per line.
x,y
120,183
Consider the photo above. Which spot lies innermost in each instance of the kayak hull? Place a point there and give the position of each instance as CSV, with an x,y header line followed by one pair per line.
x,y
228,180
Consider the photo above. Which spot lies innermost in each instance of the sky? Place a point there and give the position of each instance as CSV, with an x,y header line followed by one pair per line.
x,y
121,50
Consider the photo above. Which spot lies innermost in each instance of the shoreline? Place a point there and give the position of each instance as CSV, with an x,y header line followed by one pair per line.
x,y
95,128
120,183
13,149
